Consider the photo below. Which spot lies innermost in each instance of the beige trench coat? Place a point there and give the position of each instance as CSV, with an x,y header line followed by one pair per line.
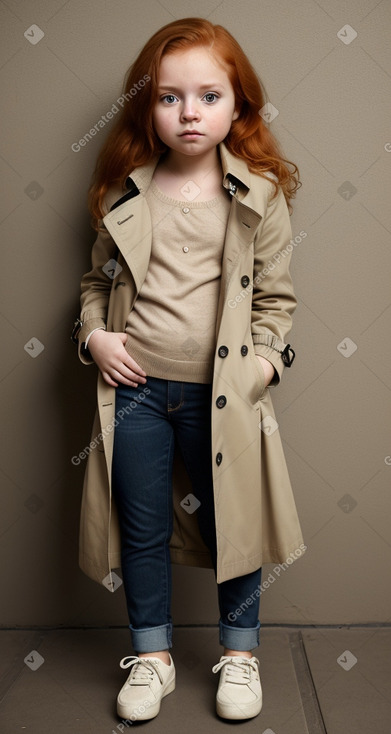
x,y
256,517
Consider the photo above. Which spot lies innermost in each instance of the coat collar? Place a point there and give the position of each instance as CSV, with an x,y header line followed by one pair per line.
x,y
236,176
130,216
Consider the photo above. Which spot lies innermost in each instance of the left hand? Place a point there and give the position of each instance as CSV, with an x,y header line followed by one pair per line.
x,y
267,368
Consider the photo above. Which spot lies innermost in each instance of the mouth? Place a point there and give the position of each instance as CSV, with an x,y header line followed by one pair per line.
x,y
191,134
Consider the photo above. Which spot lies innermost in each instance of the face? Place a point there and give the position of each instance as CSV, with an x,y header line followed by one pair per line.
x,y
196,102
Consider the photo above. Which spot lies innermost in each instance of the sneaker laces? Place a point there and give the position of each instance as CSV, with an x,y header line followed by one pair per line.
x,y
238,669
142,673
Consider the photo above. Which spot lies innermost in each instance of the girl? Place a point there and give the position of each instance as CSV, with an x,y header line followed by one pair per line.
x,y
185,312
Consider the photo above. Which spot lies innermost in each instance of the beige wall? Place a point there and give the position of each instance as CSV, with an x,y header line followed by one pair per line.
x,y
333,409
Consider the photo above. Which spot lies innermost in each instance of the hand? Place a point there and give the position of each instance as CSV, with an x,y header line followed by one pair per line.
x,y
107,349
267,368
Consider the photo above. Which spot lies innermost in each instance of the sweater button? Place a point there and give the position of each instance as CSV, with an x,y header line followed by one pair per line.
x,y
185,209
219,458
185,249
223,351
221,401
243,350
245,281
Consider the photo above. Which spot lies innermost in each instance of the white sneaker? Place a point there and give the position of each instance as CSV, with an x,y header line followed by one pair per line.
x,y
239,695
148,682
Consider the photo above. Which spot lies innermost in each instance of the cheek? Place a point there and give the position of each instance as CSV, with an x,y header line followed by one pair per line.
x,y
162,119
222,120
158,122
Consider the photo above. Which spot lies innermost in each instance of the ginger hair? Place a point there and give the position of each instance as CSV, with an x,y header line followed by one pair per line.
x,y
132,142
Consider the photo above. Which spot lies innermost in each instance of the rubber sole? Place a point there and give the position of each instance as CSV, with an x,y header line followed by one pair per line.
x,y
225,711
125,712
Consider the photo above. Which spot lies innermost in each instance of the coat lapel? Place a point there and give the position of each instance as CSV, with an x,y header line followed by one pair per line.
x,y
131,228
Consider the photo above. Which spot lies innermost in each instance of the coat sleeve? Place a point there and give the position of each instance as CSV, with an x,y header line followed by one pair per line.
x,y
95,292
273,299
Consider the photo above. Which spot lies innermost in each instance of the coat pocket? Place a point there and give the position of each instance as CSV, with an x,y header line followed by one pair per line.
x,y
260,386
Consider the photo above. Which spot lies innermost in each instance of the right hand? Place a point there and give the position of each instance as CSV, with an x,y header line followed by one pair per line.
x,y
107,349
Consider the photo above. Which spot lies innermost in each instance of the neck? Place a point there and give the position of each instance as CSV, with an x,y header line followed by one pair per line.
x,y
187,165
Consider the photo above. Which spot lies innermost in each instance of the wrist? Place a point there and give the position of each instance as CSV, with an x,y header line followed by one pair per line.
x,y
92,335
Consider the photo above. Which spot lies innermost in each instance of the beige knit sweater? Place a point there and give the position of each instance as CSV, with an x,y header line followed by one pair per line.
x,y
172,326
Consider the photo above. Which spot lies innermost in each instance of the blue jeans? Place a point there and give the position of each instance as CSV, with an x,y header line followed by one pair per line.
x,y
148,429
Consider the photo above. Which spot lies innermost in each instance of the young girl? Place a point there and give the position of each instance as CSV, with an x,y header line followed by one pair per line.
x,y
185,312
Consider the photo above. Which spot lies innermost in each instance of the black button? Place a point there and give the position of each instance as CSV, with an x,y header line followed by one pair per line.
x,y
223,351
221,401
245,281
243,350
219,458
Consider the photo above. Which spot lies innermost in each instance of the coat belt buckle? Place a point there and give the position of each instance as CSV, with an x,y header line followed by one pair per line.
x,y
76,330
288,355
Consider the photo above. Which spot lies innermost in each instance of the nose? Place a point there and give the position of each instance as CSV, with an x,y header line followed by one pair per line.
x,y
190,109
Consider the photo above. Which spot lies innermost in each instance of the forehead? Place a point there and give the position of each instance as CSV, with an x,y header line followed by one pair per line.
x,y
197,63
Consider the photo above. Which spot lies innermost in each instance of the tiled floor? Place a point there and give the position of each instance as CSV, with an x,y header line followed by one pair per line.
x,y
314,680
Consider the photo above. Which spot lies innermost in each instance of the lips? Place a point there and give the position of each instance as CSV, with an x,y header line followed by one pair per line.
x,y
190,132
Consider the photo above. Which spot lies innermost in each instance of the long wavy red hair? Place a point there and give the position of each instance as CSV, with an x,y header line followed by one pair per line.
x,y
133,141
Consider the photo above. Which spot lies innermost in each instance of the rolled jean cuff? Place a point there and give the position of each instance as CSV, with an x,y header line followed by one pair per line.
x,y
152,639
239,638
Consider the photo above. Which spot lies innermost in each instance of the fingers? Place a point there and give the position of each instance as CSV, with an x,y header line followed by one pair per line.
x,y
127,371
120,373
108,379
122,376
131,382
130,371
132,365
123,380
126,366
115,363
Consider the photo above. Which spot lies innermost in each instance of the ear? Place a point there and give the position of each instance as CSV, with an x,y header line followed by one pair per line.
x,y
235,115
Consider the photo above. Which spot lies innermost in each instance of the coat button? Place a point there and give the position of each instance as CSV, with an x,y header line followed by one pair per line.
x,y
219,458
223,351
243,350
221,401
245,281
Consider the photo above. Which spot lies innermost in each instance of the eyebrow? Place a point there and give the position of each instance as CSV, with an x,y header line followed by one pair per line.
x,y
214,85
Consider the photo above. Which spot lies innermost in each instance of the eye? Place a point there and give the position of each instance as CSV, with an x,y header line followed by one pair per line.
x,y
169,98
210,97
